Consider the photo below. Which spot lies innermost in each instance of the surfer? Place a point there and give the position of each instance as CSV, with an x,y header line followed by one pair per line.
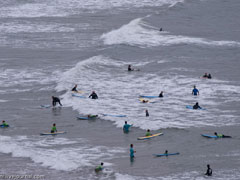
x,y
132,151
144,101
196,106
54,129
209,171
195,91
92,116
130,68
161,94
161,29
93,95
75,88
147,114
205,75
209,76
56,100
99,168
126,127
166,152
148,133
221,135
4,124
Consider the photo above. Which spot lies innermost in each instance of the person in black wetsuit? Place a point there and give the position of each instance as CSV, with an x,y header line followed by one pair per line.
x,y
56,100
209,76
130,68
93,95
196,106
161,94
147,114
161,29
209,171
75,88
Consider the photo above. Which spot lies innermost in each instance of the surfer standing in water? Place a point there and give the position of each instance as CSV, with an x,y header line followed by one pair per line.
x,y
195,91
209,171
56,100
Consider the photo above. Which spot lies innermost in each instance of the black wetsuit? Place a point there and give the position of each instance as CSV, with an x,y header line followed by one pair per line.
x,y
74,89
160,95
94,96
130,69
209,172
196,106
56,100
147,114
209,76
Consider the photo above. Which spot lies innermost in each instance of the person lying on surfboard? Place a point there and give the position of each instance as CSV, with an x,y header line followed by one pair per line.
x,y
54,129
4,124
126,127
148,133
196,106
221,135
75,88
99,168
205,75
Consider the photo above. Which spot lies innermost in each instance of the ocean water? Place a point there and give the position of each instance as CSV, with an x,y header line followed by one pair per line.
x,y
46,47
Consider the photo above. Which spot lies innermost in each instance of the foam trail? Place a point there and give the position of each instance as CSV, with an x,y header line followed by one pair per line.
x,y
138,33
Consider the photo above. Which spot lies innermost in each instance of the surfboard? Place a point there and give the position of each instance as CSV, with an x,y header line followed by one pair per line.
x,y
4,126
77,95
113,115
149,137
191,107
46,106
209,136
142,96
169,154
47,133
79,92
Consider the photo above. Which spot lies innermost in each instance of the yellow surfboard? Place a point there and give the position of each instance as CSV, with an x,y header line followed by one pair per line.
x,y
149,137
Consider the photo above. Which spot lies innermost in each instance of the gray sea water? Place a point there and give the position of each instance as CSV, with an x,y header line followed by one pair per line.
x,y
46,47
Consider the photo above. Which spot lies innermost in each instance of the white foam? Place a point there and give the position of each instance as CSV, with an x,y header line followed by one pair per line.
x,y
232,174
61,8
32,27
138,33
54,153
118,92
25,79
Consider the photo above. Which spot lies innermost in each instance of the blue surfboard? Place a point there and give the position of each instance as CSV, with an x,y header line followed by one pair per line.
x,y
209,136
4,126
169,154
79,96
143,96
113,115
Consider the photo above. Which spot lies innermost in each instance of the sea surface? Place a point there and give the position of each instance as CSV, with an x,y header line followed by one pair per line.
x,y
46,47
